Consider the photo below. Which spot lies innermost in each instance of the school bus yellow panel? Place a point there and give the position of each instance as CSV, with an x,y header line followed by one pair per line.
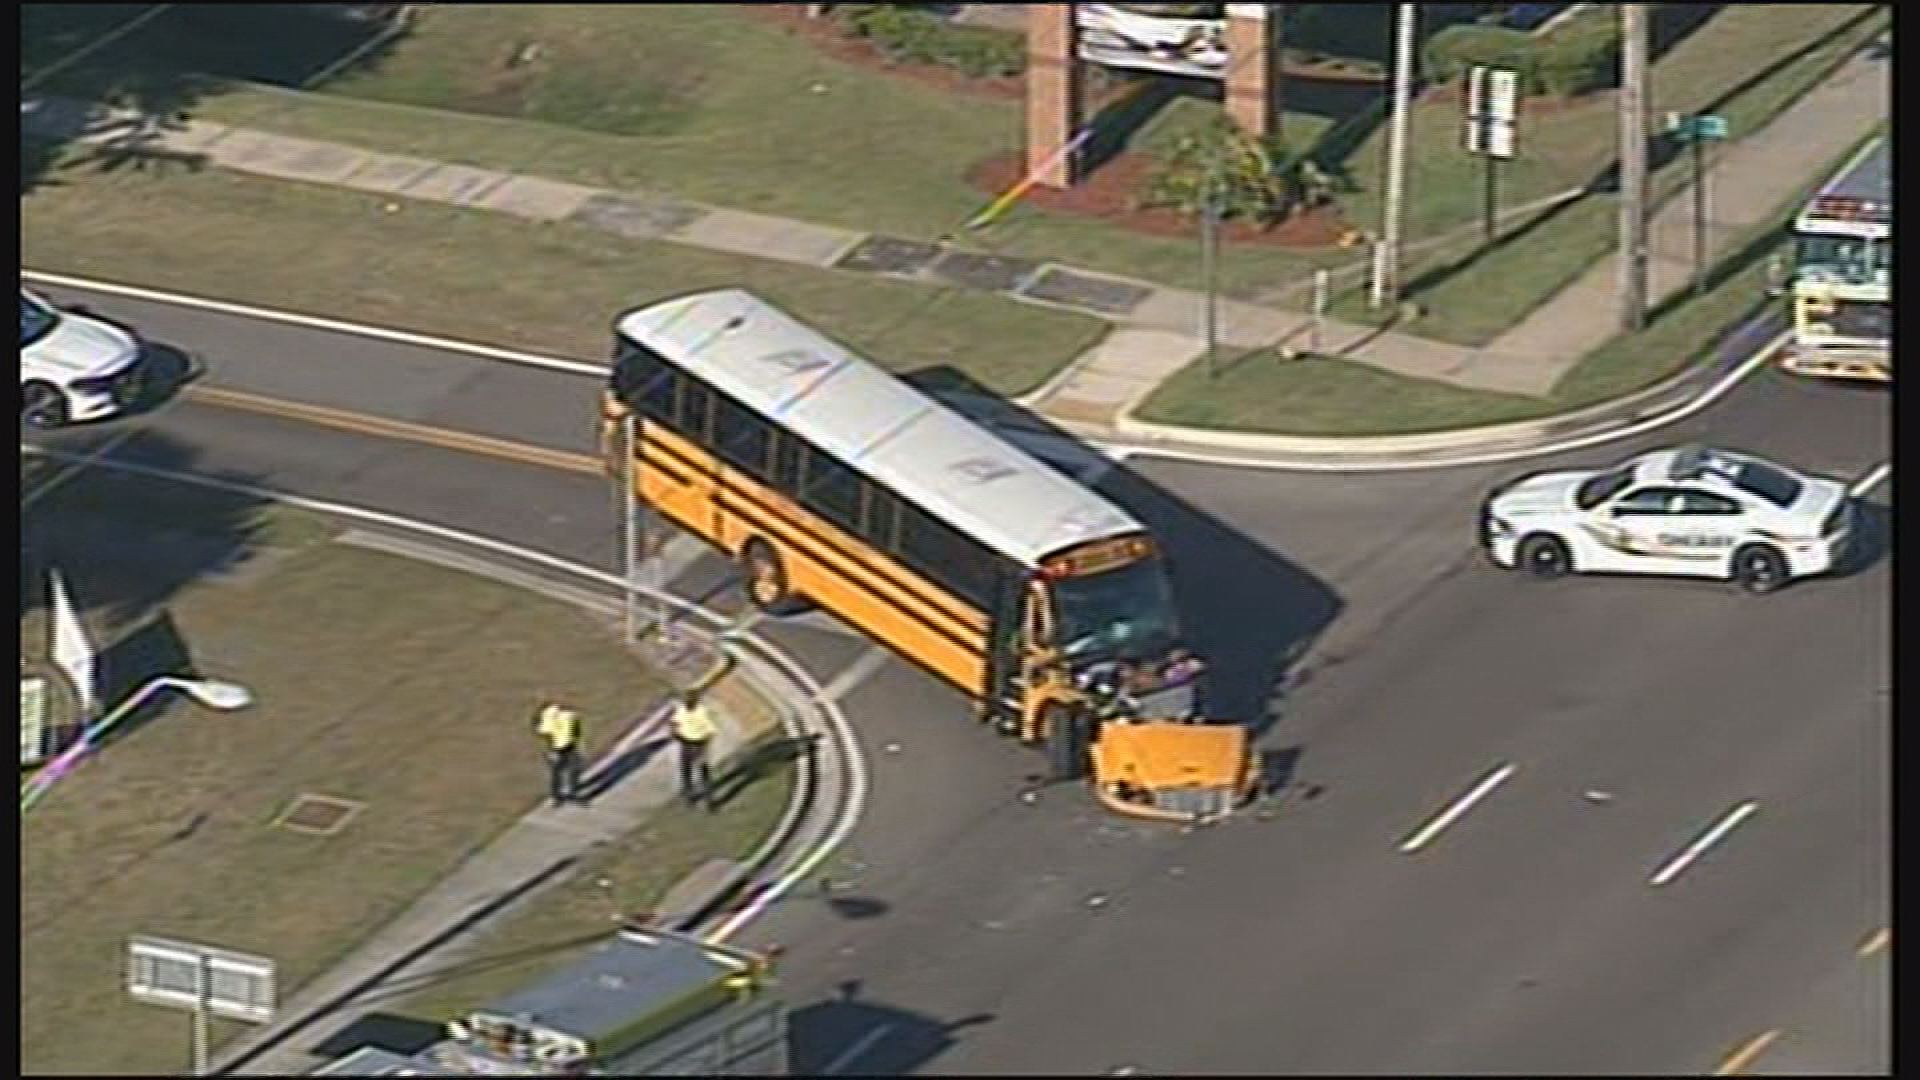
x,y
841,573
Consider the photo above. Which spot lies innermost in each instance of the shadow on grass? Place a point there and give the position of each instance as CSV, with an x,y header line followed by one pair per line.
x,y
838,1036
1249,611
758,759
125,545
164,65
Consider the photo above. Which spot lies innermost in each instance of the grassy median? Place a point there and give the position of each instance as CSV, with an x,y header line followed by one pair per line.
x,y
399,688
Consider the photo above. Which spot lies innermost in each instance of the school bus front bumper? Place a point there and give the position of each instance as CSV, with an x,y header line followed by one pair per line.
x,y
1187,773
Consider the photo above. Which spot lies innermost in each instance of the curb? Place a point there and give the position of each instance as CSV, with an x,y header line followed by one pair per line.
x,y
1738,353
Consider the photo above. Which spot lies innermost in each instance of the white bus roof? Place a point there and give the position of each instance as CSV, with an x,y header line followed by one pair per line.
x,y
869,418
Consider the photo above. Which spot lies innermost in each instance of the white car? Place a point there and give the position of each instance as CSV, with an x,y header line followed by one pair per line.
x,y
1692,511
73,366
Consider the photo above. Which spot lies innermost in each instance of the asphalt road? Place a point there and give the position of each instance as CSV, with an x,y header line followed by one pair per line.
x,y
965,929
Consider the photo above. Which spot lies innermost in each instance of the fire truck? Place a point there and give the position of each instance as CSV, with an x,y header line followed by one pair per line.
x,y
1840,293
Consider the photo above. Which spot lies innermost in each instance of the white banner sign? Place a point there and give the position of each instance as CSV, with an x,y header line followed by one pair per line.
x,y
1113,36
72,652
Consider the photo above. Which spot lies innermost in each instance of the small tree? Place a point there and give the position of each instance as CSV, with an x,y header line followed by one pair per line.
x,y
1222,163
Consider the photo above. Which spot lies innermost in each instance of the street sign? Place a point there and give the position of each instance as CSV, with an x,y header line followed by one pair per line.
x,y
230,984
1493,93
1492,107
1699,127
33,719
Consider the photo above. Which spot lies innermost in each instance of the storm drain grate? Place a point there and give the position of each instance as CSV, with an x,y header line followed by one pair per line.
x,y
318,815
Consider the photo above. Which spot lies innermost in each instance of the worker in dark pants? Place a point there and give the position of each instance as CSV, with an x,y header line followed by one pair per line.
x,y
693,732
559,729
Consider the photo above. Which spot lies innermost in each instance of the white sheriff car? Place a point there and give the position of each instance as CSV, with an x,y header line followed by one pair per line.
x,y
73,366
1688,511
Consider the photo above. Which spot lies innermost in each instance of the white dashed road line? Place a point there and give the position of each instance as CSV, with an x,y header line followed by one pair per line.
x,y
1677,865
1453,811
1870,479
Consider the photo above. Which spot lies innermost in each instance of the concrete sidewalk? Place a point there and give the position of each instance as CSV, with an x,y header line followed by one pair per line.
x,y
1156,327
1746,183
630,777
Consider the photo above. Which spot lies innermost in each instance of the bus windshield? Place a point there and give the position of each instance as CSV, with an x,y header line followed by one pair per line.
x,y
1127,612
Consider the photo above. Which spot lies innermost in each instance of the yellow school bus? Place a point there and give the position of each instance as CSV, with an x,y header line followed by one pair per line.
x,y
837,485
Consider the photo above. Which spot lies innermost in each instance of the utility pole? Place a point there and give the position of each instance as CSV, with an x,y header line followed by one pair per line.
x,y
1209,259
1386,278
1633,167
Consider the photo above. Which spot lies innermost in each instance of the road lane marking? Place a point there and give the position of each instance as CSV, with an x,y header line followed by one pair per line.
x,y
1705,398
400,430
860,1046
316,322
1679,863
852,807
1871,480
851,676
1875,942
1743,1055
94,46
1459,806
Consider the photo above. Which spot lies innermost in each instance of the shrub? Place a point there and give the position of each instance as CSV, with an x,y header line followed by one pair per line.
x,y
907,34
1238,170
1457,48
1582,57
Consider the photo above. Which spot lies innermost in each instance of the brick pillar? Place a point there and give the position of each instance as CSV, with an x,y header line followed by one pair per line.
x,y
1253,68
1054,97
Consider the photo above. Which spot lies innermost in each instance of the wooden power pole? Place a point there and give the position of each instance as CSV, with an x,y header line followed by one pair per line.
x,y
1633,166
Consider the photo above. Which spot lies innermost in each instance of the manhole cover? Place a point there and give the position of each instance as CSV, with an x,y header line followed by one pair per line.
x,y
989,272
889,255
320,815
1100,294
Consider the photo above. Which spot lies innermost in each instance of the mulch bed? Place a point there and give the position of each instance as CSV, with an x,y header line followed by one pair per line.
x,y
1110,191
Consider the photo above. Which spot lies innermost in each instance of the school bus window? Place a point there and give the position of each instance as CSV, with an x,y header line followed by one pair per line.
x,y
740,436
658,392
693,412
935,549
635,372
880,517
831,490
786,461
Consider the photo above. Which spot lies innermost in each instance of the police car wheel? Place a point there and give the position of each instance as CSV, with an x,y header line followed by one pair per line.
x,y
42,406
1759,569
1544,556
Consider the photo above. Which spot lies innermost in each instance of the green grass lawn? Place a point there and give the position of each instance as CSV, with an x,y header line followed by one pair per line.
x,y
479,276
1470,298
400,685
632,97
1322,396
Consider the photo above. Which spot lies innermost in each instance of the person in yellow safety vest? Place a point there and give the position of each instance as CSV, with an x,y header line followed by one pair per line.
x,y
693,732
559,728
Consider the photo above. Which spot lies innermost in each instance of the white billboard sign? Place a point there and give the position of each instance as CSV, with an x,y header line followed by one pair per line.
x,y
198,977
1113,36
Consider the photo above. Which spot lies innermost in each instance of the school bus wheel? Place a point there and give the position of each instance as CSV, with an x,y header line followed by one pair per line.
x,y
1066,730
766,576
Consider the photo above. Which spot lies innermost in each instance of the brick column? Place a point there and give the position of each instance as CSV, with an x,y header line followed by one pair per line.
x,y
1054,95
1253,68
